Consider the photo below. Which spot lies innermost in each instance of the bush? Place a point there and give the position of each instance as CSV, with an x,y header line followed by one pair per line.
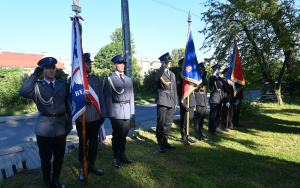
x,y
9,86
248,107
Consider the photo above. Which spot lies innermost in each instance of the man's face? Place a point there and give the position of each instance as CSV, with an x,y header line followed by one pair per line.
x,y
88,67
202,70
49,72
169,64
119,67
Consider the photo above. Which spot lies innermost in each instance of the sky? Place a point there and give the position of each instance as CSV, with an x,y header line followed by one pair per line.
x,y
36,26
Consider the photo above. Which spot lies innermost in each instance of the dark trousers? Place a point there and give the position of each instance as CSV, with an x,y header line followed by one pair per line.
x,y
49,146
183,120
120,131
224,115
165,116
236,112
91,136
199,116
214,117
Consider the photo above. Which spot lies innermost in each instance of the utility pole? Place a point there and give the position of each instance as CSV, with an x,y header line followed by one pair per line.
x,y
127,44
126,37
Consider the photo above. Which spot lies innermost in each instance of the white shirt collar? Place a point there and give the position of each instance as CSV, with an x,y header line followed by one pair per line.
x,y
48,82
119,73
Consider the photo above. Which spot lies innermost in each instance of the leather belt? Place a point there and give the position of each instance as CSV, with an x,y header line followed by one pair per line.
x,y
89,103
54,115
121,102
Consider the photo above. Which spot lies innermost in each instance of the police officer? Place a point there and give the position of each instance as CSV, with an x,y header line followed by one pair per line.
x,y
119,101
52,125
216,88
166,101
227,104
93,121
201,104
184,108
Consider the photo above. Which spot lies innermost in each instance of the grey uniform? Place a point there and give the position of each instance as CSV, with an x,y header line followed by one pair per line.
x,y
51,125
119,105
92,122
48,126
119,101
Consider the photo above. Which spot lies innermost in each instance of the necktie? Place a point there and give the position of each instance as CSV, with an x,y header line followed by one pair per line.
x,y
121,76
51,85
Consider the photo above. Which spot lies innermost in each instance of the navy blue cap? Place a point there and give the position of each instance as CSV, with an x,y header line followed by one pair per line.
x,y
165,57
225,70
87,57
201,65
180,61
216,66
47,62
118,59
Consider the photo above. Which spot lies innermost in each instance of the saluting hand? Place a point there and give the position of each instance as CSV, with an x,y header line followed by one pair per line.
x,y
38,71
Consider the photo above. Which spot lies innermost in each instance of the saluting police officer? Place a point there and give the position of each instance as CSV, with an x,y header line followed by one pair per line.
x,y
184,108
52,124
201,104
119,101
216,88
166,101
93,121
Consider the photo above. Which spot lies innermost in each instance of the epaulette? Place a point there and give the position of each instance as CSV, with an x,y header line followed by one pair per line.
x,y
155,70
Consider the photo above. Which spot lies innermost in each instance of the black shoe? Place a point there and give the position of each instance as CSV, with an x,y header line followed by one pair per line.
x,y
190,139
219,132
198,137
160,148
185,142
205,136
58,184
124,159
116,163
168,146
94,170
211,133
47,185
226,130
81,175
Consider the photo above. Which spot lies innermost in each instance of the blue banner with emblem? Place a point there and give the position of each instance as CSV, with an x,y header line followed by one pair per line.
x,y
78,76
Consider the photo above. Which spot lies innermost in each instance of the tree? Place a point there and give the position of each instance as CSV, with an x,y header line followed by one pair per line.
x,y
177,54
104,66
267,33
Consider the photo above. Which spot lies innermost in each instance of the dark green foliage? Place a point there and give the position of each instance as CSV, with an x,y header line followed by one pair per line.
x,y
149,86
61,75
10,83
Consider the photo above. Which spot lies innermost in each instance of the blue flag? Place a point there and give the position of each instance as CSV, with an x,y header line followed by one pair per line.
x,y
191,70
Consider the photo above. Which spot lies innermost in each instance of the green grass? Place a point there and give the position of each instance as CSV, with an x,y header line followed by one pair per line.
x,y
264,152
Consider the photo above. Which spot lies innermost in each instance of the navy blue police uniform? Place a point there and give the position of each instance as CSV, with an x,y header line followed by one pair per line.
x,y
227,97
52,123
166,101
184,108
119,101
201,105
216,88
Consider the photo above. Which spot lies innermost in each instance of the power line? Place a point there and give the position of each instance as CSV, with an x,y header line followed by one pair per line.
x,y
173,7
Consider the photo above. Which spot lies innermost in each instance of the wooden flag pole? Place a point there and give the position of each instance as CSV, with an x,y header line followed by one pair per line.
x,y
84,150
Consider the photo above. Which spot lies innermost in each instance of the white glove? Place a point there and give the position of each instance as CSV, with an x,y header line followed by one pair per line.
x,y
227,104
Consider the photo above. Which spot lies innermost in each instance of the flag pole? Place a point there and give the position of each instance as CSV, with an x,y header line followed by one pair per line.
x,y
77,9
188,97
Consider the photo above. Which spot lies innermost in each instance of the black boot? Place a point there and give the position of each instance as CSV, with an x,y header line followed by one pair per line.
x,y
93,169
203,135
81,175
190,139
47,180
124,159
184,141
199,137
116,163
166,144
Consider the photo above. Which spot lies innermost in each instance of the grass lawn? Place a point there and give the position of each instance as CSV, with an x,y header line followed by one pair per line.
x,y
264,152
